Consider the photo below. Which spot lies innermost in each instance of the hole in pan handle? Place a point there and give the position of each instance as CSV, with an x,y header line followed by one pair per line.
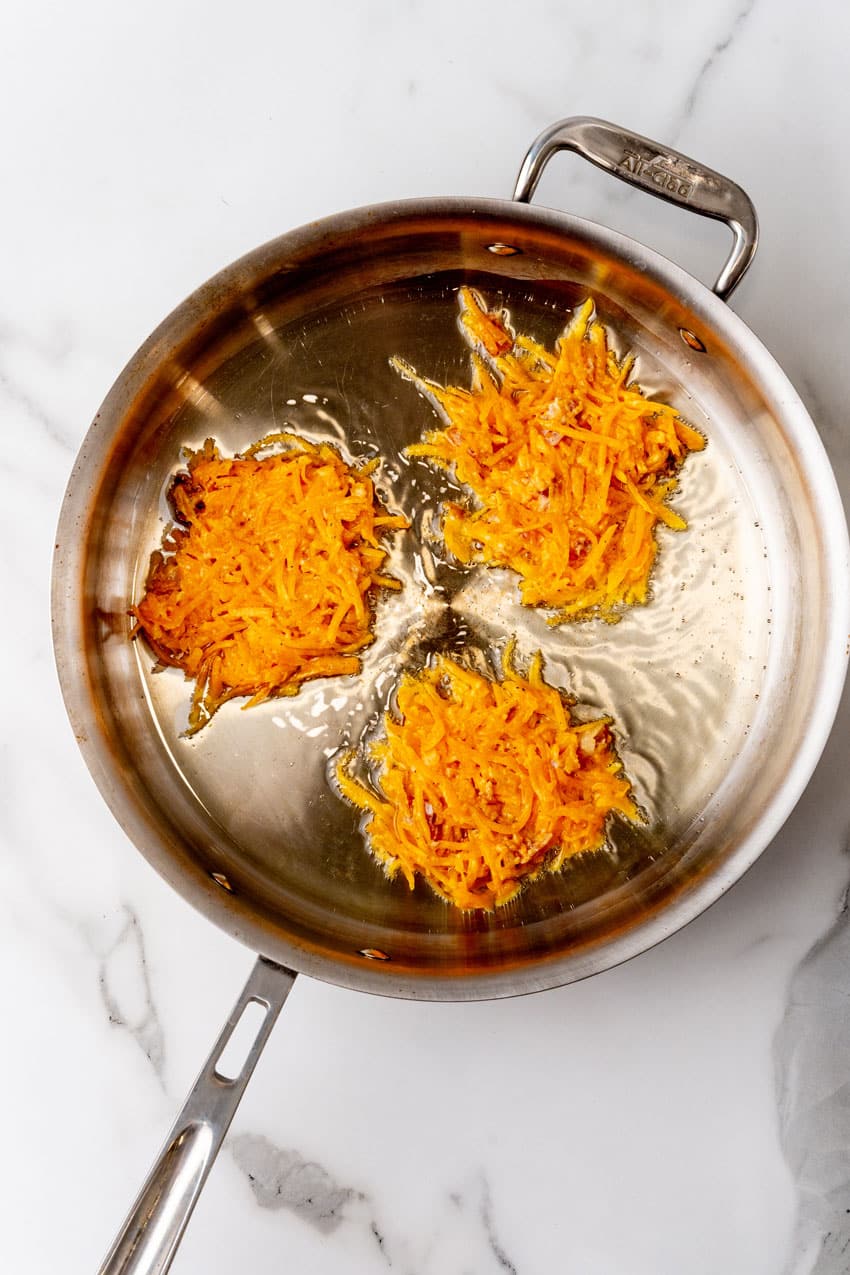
x,y
148,1240
663,172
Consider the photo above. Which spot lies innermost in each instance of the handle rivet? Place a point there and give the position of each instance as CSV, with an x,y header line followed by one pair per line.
x,y
692,341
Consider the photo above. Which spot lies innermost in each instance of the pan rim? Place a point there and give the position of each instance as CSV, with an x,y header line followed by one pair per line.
x,y
543,973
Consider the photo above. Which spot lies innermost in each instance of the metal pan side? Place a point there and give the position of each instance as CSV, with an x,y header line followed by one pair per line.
x,y
275,859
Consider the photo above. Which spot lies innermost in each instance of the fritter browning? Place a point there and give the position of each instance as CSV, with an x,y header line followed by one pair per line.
x,y
569,464
270,576
484,784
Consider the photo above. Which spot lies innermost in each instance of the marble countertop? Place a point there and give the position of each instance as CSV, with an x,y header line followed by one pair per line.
x,y
685,1114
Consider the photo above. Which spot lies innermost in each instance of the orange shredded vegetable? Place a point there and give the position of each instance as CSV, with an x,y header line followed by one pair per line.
x,y
269,578
485,784
570,465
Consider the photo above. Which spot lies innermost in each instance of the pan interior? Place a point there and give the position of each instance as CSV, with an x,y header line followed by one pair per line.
x,y
693,681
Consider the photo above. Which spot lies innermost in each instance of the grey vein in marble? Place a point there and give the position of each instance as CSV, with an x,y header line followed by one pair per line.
x,y
710,64
126,990
380,1241
812,1061
37,412
282,1178
486,1213
535,107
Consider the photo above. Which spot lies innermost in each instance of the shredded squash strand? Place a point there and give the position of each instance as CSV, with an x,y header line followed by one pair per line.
x,y
269,576
484,784
569,464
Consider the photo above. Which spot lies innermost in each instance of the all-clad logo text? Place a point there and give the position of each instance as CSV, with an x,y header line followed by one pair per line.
x,y
653,173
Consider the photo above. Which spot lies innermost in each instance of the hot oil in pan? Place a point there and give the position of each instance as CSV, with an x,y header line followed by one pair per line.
x,y
680,677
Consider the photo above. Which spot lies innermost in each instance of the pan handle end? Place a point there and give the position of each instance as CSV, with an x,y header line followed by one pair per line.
x,y
148,1240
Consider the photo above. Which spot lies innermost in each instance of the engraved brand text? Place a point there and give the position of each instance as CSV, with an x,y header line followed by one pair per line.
x,y
653,173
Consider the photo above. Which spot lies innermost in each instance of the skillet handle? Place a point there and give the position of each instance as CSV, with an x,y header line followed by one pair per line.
x,y
657,169
148,1240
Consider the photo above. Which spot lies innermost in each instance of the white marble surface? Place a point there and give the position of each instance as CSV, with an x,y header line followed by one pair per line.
x,y
683,1115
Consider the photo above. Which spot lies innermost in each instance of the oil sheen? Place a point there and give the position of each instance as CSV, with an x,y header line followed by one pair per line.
x,y
680,677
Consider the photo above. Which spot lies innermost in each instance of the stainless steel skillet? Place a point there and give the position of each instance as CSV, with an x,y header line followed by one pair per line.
x,y
722,690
